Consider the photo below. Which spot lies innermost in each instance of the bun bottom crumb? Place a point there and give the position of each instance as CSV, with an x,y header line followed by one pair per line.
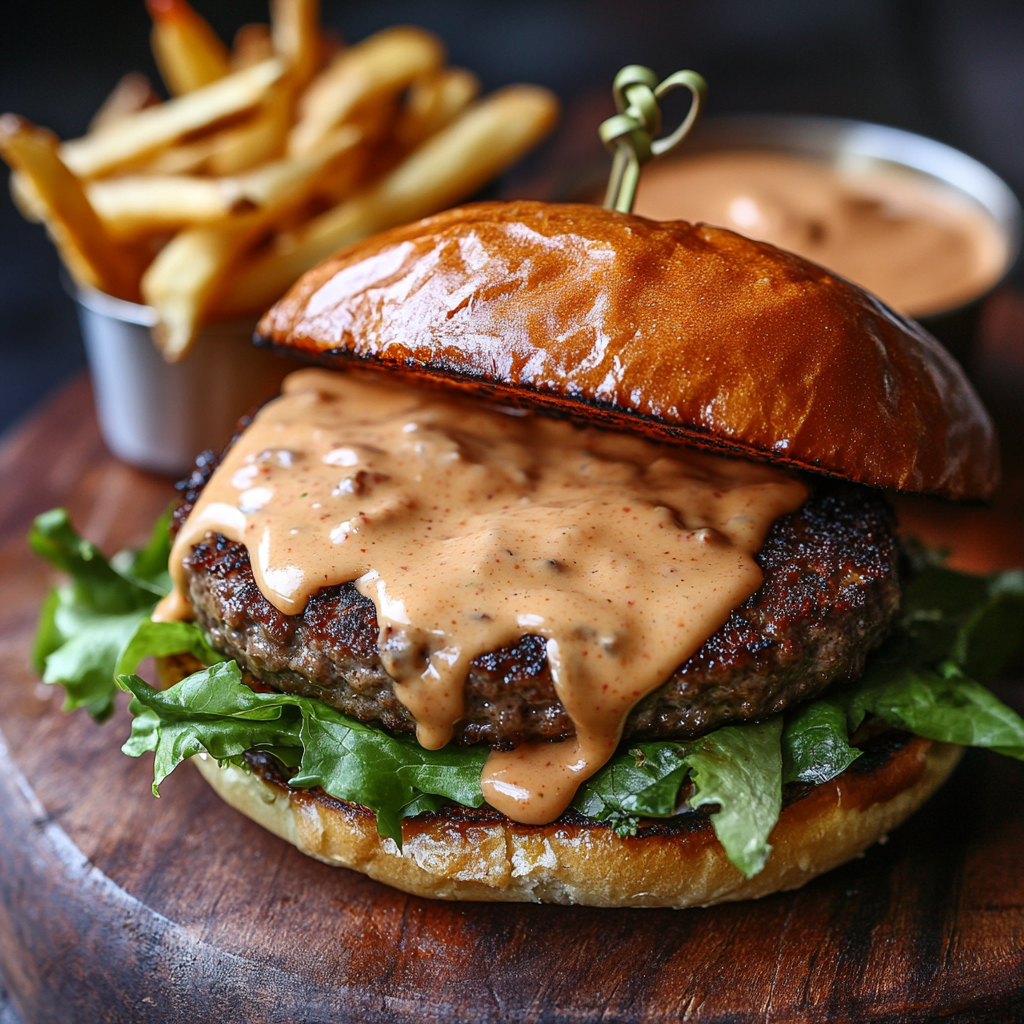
x,y
482,856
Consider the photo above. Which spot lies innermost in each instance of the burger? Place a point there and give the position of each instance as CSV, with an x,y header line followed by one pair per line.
x,y
567,572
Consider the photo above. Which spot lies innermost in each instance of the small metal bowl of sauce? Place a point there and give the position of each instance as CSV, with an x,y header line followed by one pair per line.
x,y
927,228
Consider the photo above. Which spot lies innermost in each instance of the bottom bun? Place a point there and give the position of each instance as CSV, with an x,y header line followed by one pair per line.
x,y
465,854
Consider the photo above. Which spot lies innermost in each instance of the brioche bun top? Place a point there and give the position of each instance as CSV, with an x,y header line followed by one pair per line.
x,y
676,331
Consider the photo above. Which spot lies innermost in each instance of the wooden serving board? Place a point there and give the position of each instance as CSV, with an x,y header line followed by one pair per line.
x,y
118,907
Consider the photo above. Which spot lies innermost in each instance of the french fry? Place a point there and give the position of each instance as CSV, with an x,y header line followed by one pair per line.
x,y
83,242
434,101
281,182
182,157
188,52
262,138
448,167
145,204
237,169
136,136
142,204
187,275
131,94
252,44
229,150
182,279
26,198
378,67
331,44
377,153
295,32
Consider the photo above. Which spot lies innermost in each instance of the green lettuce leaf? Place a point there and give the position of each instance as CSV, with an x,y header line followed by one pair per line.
x,y
209,711
991,633
737,771
391,775
48,636
975,621
159,639
942,704
215,712
642,782
956,629
84,663
86,624
149,566
740,769
815,745
97,584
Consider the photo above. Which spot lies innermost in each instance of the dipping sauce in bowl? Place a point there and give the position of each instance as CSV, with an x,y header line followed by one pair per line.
x,y
921,246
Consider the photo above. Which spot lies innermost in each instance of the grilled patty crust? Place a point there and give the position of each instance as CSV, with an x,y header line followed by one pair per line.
x,y
830,594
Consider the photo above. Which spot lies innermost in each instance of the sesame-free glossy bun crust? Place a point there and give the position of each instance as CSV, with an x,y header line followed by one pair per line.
x,y
460,854
668,329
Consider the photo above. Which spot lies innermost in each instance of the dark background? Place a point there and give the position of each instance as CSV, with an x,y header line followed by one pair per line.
x,y
952,69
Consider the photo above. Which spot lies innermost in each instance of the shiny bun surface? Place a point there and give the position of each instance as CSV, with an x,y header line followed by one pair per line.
x,y
672,330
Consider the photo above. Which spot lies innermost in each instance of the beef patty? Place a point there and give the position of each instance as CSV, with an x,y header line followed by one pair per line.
x,y
830,594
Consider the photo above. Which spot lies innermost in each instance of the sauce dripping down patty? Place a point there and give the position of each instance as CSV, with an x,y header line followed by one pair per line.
x,y
469,527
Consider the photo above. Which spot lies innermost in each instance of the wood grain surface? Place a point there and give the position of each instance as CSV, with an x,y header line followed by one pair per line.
x,y
118,907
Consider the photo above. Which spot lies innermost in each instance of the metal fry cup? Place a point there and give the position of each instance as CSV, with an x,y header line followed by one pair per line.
x,y
158,415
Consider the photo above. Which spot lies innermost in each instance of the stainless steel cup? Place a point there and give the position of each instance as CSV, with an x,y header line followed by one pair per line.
x,y
159,415
862,146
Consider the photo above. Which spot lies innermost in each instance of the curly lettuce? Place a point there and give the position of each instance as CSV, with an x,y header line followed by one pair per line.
x,y
86,624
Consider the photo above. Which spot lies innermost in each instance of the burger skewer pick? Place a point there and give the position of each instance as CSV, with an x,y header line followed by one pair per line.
x,y
630,133
589,590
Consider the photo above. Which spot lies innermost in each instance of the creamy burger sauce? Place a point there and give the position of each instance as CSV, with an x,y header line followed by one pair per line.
x,y
919,246
469,527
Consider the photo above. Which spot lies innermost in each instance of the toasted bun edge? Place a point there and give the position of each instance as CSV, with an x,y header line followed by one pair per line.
x,y
446,856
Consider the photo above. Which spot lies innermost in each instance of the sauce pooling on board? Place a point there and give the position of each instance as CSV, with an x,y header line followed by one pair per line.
x,y
468,528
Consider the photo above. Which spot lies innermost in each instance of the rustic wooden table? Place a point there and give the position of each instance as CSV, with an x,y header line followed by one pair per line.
x,y
117,907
